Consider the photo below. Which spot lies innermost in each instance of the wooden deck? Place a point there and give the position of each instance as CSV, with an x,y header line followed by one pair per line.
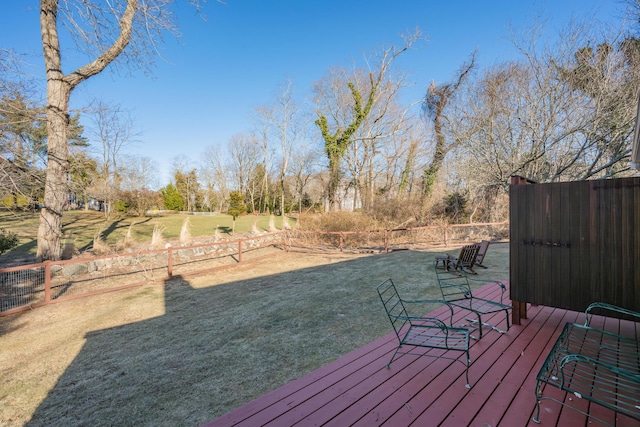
x,y
358,389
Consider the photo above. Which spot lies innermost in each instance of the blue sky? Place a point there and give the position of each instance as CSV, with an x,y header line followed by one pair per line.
x,y
215,75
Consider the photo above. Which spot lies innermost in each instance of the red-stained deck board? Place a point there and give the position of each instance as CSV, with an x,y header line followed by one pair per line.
x,y
383,402
358,389
341,400
516,355
436,402
517,367
522,407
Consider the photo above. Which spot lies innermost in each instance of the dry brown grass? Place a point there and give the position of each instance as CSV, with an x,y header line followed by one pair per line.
x,y
194,348
339,221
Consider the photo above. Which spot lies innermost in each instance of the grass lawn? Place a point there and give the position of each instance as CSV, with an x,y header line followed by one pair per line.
x,y
189,351
79,228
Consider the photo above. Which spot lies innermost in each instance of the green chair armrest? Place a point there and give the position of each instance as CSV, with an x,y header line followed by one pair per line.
x,y
608,307
579,358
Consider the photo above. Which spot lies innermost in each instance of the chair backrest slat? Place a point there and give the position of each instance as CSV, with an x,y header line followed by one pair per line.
x,y
393,305
484,245
454,285
467,256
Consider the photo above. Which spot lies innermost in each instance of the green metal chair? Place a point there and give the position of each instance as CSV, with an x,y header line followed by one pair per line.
x,y
456,291
425,332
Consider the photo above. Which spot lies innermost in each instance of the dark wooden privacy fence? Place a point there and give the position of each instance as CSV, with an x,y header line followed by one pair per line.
x,y
573,243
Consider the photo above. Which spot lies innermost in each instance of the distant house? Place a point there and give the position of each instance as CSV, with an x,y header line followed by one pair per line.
x,y
347,198
96,205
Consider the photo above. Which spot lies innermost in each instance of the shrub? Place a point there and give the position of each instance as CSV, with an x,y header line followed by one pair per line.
x,y
339,221
8,241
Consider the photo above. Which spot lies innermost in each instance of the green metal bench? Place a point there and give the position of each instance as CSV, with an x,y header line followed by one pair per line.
x,y
425,332
594,365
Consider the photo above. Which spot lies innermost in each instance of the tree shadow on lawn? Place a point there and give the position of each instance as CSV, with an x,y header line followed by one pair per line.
x,y
218,347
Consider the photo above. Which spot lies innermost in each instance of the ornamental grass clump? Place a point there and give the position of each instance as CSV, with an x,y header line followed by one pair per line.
x,y
185,232
129,241
157,239
99,246
285,223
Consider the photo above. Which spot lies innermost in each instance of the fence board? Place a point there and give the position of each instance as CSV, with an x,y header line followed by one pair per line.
x,y
29,286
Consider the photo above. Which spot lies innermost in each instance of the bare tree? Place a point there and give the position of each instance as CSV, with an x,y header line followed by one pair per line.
x,y
340,115
565,112
265,122
404,159
137,178
282,121
434,108
105,31
139,172
289,132
216,175
303,166
113,130
367,155
244,153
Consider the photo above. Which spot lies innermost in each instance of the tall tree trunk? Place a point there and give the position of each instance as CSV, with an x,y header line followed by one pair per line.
x,y
56,184
59,87
430,173
406,172
334,182
58,92
282,193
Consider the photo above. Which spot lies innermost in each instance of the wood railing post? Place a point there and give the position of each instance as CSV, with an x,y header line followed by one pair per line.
x,y
341,242
170,262
239,251
47,282
519,310
386,240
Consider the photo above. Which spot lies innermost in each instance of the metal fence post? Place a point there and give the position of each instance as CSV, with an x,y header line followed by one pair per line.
x,y
47,282
239,251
